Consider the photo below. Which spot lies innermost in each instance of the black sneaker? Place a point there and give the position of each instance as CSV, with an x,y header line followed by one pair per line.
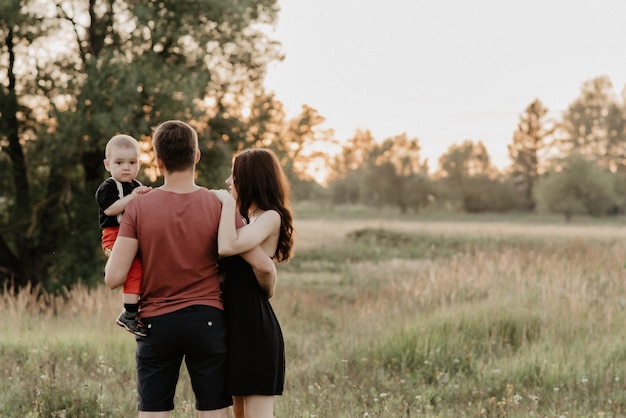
x,y
129,321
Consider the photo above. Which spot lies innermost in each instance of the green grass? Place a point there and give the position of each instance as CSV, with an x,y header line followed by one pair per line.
x,y
382,318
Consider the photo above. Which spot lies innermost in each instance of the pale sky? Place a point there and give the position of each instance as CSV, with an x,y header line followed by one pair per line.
x,y
443,71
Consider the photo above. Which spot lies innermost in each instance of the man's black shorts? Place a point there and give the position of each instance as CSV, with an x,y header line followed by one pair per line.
x,y
197,334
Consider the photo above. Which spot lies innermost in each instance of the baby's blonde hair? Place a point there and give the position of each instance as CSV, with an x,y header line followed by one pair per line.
x,y
120,141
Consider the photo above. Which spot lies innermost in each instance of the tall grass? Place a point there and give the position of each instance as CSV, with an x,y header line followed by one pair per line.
x,y
382,318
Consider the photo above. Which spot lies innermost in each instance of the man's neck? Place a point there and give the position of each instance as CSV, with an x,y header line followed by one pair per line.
x,y
179,182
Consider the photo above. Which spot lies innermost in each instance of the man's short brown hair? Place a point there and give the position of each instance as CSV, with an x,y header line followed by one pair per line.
x,y
175,144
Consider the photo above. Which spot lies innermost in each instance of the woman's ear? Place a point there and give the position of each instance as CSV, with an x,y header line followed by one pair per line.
x,y
197,156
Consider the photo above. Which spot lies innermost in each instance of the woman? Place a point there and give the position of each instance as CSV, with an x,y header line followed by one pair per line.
x,y
259,191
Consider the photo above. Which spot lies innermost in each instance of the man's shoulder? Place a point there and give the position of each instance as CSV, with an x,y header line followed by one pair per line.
x,y
207,197
201,192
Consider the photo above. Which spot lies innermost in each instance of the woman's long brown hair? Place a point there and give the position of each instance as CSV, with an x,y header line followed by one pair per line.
x,y
260,180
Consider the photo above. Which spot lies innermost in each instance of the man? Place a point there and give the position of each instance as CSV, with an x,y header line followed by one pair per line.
x,y
174,229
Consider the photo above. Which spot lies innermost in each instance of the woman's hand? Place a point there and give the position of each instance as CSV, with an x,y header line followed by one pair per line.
x,y
223,195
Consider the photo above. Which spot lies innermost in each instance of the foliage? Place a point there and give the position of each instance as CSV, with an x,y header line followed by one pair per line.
x,y
465,160
471,184
529,140
417,192
595,125
387,174
120,67
465,179
576,185
484,194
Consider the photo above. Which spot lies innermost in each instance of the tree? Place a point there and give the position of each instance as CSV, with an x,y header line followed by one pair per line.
x,y
124,66
384,174
577,185
395,169
355,152
298,144
418,192
594,125
18,237
347,167
528,142
266,122
295,146
465,160
459,169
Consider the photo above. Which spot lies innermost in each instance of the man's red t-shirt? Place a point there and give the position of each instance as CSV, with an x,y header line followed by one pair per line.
x,y
177,237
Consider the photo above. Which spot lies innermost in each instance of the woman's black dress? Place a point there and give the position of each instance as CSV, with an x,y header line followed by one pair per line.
x,y
256,350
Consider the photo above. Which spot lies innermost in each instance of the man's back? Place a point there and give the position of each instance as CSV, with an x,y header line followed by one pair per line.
x,y
177,235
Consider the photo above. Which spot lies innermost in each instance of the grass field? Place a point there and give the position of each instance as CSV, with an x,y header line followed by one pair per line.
x,y
383,316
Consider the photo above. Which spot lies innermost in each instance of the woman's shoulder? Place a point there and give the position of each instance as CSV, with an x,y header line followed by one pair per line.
x,y
269,216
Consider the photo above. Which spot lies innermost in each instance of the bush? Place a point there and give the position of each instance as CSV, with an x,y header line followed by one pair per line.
x,y
576,186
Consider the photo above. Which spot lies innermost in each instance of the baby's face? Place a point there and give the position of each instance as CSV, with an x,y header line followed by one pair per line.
x,y
123,164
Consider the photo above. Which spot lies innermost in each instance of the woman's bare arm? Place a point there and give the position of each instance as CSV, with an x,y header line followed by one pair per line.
x,y
233,241
264,269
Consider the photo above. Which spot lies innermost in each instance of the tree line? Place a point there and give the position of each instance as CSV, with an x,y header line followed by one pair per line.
x,y
573,164
76,72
